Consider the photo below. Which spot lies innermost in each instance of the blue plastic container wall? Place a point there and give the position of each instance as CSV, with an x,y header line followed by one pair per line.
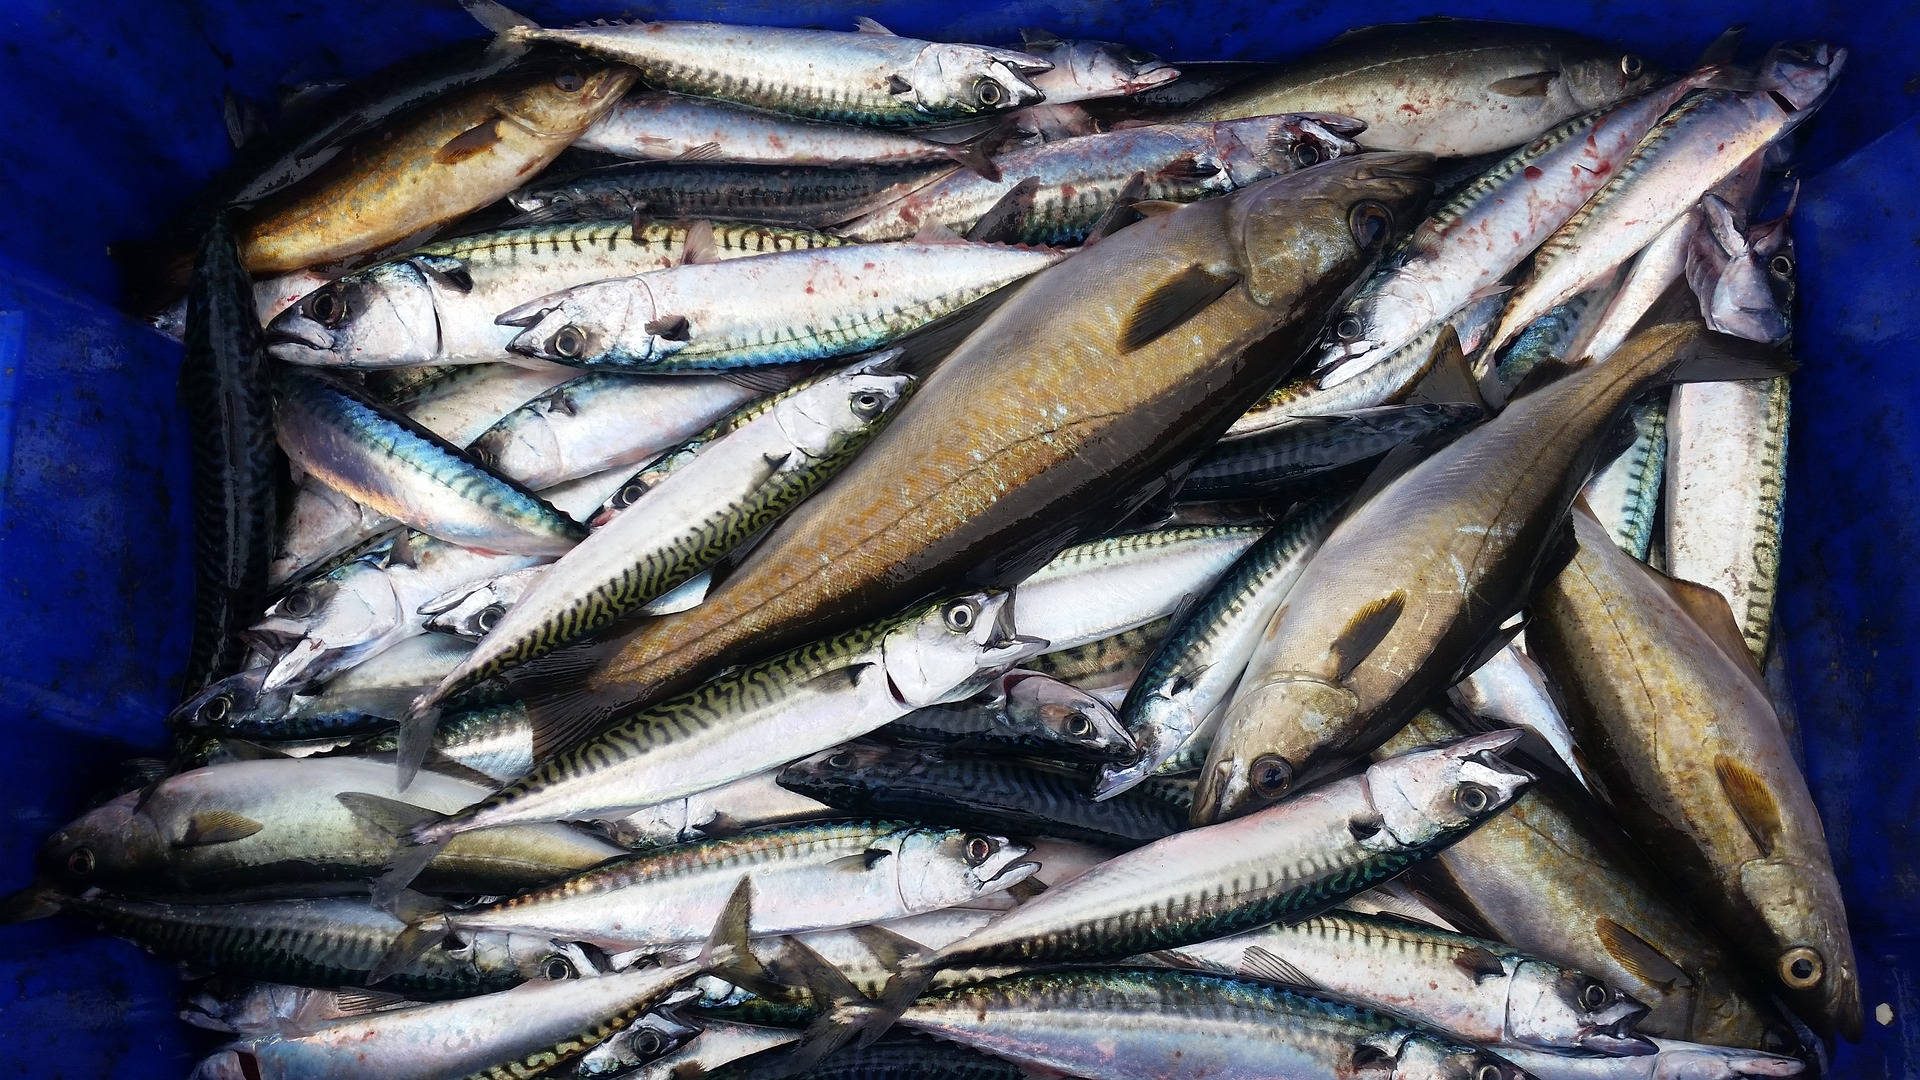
x,y
114,119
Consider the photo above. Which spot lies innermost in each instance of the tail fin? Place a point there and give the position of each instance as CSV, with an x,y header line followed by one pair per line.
x,y
428,928
415,737
726,953
399,820
975,159
502,20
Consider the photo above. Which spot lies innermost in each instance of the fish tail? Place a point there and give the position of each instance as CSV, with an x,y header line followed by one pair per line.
x,y
420,833
726,953
511,26
415,739
424,932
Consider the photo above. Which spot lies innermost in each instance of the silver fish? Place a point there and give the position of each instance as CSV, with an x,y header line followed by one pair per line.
x,y
652,126
1084,69
1672,1060
1104,587
717,1043
652,1041
1512,691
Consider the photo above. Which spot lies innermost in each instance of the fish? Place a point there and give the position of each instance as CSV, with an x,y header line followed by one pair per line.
x,y
1451,87
1003,796
1105,668
1055,192
1474,989
1283,863
651,1046
1104,587
1511,691
419,170
1550,337
1192,672
1311,454
1667,702
797,196
253,828
1702,142
806,876
1124,1023
407,473
227,390
362,699
814,305
1625,492
1085,69
674,127
742,804
1732,268
1553,876
1024,713
761,716
493,740
1077,395
603,420
1674,1060
519,1032
436,304
873,77
894,1058
1408,592
1390,382
731,489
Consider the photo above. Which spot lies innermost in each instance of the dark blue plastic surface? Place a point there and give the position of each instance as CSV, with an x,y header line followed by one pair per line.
x,y
112,119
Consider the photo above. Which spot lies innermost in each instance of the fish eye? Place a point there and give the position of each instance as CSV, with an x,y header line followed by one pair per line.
x,y
80,861
569,81
1079,725
649,1042
960,616
1781,265
327,306
557,968
488,617
866,402
978,848
1473,798
1270,775
1488,1071
988,93
1349,328
1594,995
214,709
840,759
1801,968
1631,66
1370,222
631,493
568,342
299,603
1308,153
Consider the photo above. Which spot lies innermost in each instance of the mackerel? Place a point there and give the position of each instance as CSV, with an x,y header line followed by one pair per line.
x,y
1385,383
1192,673
1510,690
1084,69
1107,665
812,196
651,1041
1023,714
813,305
1070,183
1105,587
1306,454
667,127
1625,492
1672,1060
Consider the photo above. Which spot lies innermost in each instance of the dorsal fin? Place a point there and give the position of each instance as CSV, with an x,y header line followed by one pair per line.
x,y
868,26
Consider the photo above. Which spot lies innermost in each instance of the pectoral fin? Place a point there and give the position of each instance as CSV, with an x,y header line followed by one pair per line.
x,y
1369,626
1172,303
475,140
1532,84
1751,799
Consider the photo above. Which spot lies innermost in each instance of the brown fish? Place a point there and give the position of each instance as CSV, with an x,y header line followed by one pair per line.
x,y
1552,875
1064,410
1407,594
429,166
1664,697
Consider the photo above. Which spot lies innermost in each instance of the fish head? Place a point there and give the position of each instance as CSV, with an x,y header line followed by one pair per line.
x,y
941,867
1427,794
232,1063
1800,74
951,649
580,325
318,620
1807,924
636,486
1256,147
1739,293
647,1039
1062,713
1402,1054
846,768
384,316
564,98
111,846
1598,81
228,703
1552,1006
968,80
1276,730
523,442
1086,69
1306,234
819,419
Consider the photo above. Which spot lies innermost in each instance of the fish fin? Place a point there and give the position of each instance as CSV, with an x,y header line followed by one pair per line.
x,y
1025,889
725,952
670,328
868,26
890,949
1033,38
974,159
897,86
1448,379
446,269
1190,168
415,737
497,17
1002,221
1123,212
217,827
829,985
1722,49
761,380
362,1002
1748,793
1638,956
1714,616
1173,302
935,232
1259,963
562,708
1480,963
1501,637
699,246
33,902
1715,357
400,550
1368,628
410,945
1532,84
399,820
477,139
860,861
706,151
1545,373
243,120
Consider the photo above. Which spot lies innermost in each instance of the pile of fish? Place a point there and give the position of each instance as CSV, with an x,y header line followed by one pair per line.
x,y
970,561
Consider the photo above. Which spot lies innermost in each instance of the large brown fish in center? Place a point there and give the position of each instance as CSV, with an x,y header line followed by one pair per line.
x,y
1066,409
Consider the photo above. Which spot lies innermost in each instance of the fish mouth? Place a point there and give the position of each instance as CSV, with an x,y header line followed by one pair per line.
x,y
1148,78
1022,870
293,338
1618,1039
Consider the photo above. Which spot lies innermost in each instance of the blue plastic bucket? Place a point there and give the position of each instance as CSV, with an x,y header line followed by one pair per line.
x,y
113,120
